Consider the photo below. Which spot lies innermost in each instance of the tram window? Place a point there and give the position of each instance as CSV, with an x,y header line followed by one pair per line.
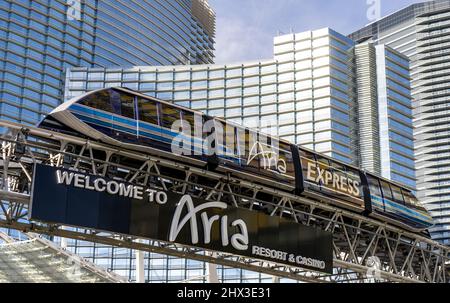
x,y
207,120
410,198
341,170
286,156
338,166
148,111
127,105
397,194
374,186
353,174
307,155
268,144
100,100
123,104
251,146
230,138
323,161
240,142
250,139
387,194
219,128
283,145
189,118
170,114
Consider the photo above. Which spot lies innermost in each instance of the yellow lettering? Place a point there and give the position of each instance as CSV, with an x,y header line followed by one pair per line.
x,y
311,170
343,184
328,177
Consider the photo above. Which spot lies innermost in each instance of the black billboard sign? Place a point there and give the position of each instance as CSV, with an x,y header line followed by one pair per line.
x,y
81,200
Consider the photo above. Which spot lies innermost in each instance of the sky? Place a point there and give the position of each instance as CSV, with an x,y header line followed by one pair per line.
x,y
245,28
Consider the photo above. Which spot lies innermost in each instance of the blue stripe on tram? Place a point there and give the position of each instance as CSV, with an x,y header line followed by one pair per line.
x,y
133,126
400,210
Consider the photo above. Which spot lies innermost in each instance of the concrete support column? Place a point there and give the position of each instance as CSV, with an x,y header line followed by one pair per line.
x,y
140,270
64,243
63,240
212,271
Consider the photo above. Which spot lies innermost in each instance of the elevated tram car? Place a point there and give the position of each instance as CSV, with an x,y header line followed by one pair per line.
x,y
134,121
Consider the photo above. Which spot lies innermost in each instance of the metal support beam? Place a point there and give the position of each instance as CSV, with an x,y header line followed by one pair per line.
x,y
364,249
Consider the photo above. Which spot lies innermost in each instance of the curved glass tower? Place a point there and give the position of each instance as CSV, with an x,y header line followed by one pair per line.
x,y
39,39
422,32
153,32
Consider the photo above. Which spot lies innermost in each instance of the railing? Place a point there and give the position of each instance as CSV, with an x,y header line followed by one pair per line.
x,y
429,19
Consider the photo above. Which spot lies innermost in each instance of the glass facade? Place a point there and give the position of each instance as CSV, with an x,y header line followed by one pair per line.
x,y
158,268
395,115
155,32
421,31
40,39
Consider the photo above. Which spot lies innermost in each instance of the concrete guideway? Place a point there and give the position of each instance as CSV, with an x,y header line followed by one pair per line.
x,y
365,250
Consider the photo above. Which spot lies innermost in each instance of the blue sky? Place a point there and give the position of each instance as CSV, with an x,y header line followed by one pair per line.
x,y
245,28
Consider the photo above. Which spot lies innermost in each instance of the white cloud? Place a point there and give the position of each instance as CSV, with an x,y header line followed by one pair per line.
x,y
245,28
240,41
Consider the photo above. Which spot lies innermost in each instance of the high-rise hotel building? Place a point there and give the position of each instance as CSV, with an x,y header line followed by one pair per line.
x,y
422,32
40,39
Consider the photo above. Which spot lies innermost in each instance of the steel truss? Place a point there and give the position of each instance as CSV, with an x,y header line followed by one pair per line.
x,y
365,250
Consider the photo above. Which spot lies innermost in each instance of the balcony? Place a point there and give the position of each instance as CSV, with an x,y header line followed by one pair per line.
x,y
431,68
431,19
434,54
430,102
433,157
427,40
421,28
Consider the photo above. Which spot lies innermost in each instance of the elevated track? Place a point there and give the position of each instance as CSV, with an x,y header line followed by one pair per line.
x,y
365,250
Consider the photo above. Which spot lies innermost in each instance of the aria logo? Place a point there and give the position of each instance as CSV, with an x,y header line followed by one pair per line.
x,y
238,240
269,158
